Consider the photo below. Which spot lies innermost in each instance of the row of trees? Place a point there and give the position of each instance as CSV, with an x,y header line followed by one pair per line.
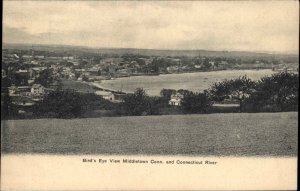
x,y
276,93
70,104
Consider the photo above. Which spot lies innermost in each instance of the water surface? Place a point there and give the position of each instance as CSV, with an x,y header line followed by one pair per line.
x,y
198,81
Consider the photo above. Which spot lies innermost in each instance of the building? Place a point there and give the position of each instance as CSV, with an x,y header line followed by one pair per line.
x,y
68,58
22,101
115,97
93,71
35,71
39,56
13,90
106,95
176,99
19,90
119,96
3,73
37,90
172,69
24,90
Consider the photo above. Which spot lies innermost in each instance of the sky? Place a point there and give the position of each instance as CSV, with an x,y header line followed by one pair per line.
x,y
271,26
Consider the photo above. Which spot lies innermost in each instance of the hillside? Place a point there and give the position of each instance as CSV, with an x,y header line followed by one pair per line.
x,y
238,134
146,52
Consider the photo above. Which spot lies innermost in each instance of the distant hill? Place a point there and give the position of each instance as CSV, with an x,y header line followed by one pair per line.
x,y
146,52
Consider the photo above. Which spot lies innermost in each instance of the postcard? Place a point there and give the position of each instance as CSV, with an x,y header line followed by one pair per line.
x,y
149,95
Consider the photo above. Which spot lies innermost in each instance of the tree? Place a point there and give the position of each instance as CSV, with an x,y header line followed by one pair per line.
x,y
183,92
137,103
195,102
7,109
62,104
21,80
279,90
166,93
45,78
236,89
85,78
166,96
206,64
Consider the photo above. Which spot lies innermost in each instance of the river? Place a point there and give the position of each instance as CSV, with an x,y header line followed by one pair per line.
x,y
198,81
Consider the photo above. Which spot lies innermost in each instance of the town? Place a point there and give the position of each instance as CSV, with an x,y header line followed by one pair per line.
x,y
133,82
28,74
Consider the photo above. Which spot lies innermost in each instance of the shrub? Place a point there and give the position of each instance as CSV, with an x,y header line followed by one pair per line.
x,y
236,89
278,92
137,103
194,102
63,104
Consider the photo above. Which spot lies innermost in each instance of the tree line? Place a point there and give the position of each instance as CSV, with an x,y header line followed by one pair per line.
x,y
276,93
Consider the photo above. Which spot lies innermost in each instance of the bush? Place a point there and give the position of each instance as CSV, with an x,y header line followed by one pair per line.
x,y
63,104
166,96
138,103
69,104
278,92
235,89
196,103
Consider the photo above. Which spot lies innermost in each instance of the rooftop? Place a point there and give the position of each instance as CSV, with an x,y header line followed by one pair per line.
x,y
103,93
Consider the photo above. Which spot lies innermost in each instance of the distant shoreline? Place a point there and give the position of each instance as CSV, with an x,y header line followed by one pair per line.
x,y
25,46
99,84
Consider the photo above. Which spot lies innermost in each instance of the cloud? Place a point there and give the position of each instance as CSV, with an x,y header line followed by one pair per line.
x,y
15,35
230,25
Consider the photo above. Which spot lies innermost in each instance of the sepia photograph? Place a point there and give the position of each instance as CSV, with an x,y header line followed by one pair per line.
x,y
129,80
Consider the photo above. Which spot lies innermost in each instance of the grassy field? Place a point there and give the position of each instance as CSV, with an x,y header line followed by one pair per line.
x,y
261,134
79,86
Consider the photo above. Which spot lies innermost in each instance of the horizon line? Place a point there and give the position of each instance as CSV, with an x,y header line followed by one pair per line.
x,y
158,49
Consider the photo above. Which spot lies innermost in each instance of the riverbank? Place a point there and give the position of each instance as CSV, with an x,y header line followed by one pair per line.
x,y
196,81
153,84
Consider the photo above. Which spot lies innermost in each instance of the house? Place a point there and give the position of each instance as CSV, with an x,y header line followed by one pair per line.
x,y
26,56
13,90
39,56
22,71
119,96
37,90
35,71
22,101
19,90
106,95
34,62
94,71
24,90
172,69
72,76
3,73
16,56
30,82
176,99
68,58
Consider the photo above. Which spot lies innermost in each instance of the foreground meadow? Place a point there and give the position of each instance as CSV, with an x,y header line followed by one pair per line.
x,y
260,134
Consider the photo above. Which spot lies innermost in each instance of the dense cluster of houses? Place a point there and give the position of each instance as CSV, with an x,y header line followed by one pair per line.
x,y
26,67
24,97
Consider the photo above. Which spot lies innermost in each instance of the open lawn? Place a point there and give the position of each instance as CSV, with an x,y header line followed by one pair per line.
x,y
260,134
79,86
